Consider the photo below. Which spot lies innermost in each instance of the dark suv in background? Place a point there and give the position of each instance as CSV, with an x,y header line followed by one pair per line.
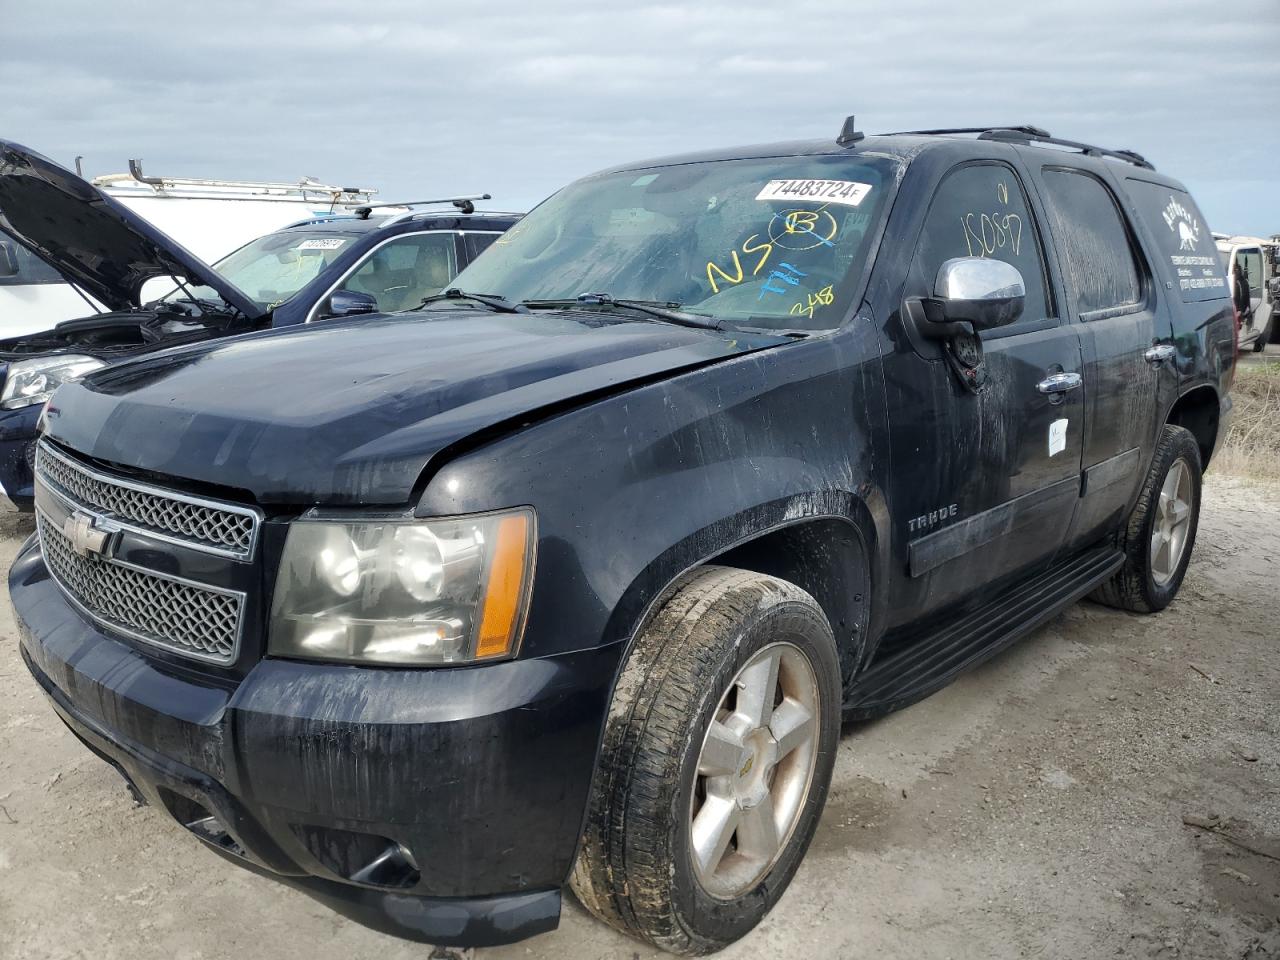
x,y
571,577
386,257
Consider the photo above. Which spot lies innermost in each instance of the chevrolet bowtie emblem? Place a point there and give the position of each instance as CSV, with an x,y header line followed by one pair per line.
x,y
84,536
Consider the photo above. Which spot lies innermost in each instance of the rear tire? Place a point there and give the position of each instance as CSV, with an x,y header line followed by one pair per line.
x,y
1264,337
1160,533
650,864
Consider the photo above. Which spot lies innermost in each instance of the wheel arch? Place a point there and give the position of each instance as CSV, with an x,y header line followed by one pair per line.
x,y
825,544
1198,411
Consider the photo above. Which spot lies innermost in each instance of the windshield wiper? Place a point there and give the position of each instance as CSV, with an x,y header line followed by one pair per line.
x,y
670,312
500,304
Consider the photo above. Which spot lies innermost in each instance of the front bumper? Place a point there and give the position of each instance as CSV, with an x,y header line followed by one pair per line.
x,y
443,806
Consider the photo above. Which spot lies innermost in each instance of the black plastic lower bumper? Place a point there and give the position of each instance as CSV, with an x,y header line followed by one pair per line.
x,y
442,806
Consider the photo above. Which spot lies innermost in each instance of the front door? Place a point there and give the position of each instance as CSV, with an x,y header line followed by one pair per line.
x,y
985,483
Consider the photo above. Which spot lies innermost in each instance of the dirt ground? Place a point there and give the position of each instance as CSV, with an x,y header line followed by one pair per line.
x,y
1035,808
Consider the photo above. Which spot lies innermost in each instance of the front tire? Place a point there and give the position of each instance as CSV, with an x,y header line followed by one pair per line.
x,y
1264,336
1161,531
717,755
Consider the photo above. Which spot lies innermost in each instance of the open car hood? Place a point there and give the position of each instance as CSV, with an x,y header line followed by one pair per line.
x,y
94,240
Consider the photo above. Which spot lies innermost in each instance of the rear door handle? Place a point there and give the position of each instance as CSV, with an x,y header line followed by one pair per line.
x,y
1160,353
1059,383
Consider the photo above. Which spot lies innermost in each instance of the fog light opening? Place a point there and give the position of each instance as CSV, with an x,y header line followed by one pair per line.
x,y
364,858
197,818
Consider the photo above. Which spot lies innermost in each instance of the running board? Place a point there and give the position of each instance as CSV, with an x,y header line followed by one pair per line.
x,y
932,662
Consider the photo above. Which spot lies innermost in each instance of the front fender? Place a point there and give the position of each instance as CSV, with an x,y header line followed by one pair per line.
x,y
634,489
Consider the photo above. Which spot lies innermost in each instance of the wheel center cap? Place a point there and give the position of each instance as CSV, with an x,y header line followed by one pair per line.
x,y
759,754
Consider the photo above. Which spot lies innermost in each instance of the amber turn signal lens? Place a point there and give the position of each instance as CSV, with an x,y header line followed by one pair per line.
x,y
501,620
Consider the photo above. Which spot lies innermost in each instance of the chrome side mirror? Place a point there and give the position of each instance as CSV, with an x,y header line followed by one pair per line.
x,y
982,292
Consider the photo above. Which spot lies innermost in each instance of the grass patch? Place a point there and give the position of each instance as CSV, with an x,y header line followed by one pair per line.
x,y
1252,445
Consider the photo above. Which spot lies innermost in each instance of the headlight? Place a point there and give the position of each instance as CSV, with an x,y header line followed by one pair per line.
x,y
32,381
403,591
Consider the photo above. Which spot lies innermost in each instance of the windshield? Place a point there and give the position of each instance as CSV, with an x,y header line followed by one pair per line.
x,y
780,243
273,268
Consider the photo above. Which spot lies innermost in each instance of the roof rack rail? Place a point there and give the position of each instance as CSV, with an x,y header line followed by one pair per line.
x,y
1029,134
1088,149
465,204
943,131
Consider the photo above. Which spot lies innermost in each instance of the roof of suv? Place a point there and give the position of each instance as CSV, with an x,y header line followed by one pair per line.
x,y
440,220
907,145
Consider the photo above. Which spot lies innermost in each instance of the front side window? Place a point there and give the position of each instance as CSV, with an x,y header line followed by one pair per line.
x,y
779,243
273,268
980,210
402,273
1101,271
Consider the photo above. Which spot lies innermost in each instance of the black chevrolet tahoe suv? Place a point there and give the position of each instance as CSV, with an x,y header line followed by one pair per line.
x,y
571,577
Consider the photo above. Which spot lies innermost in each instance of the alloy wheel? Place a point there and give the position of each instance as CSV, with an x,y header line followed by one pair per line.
x,y
754,771
1172,523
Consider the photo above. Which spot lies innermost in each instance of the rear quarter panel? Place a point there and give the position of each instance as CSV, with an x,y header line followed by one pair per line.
x,y
1185,259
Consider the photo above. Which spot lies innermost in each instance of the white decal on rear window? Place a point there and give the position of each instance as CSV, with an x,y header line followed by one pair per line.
x,y
1195,271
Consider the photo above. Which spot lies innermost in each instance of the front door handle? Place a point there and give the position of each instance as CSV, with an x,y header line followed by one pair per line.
x,y
1059,383
1159,353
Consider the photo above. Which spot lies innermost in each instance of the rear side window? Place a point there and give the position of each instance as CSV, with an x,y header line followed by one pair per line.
x,y
980,210
1183,238
1096,254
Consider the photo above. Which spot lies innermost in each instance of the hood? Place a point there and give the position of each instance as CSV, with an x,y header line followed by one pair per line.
x,y
353,412
91,238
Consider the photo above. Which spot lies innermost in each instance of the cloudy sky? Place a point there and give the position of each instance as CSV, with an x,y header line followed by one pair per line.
x,y
516,98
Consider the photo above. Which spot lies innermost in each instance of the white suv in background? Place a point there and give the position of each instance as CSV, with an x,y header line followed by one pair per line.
x,y
1256,258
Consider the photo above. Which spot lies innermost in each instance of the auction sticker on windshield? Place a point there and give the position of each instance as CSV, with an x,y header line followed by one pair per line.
x,y
326,243
848,192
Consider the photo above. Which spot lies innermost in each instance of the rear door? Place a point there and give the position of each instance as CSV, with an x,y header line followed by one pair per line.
x,y
1126,337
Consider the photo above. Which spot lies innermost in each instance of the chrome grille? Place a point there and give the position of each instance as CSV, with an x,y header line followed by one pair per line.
x,y
180,616
218,528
